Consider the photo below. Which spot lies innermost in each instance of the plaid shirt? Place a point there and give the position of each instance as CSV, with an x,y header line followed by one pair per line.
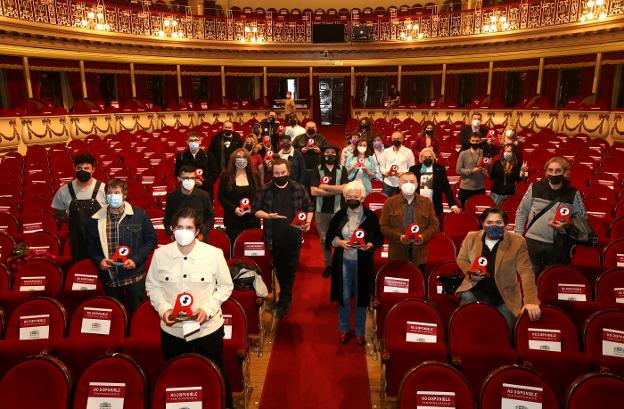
x,y
264,201
112,234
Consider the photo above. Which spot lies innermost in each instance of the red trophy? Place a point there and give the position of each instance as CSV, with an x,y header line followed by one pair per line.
x,y
280,129
357,238
479,266
394,170
268,155
121,255
412,233
563,214
266,140
484,162
182,310
245,205
199,174
311,142
300,219
360,162
325,180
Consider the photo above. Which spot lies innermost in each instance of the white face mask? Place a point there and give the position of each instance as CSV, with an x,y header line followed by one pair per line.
x,y
188,184
507,155
184,237
361,149
476,123
509,133
408,188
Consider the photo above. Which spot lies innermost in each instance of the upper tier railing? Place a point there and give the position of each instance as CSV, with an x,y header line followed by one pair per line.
x,y
533,14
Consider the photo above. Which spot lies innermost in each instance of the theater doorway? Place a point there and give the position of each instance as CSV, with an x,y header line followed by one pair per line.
x,y
332,100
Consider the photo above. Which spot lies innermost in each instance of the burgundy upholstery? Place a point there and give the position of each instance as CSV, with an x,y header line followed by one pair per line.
x,y
86,267
558,368
434,376
458,225
72,299
606,284
114,369
478,203
445,303
479,342
79,349
6,246
219,239
39,267
236,349
598,390
143,344
491,393
44,239
587,259
593,339
12,349
610,252
248,300
5,279
399,356
440,248
385,301
36,383
265,262
189,370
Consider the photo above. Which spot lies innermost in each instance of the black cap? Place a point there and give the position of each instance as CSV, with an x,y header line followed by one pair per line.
x,y
330,146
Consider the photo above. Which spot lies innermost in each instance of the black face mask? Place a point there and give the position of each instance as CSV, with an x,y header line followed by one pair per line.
x,y
429,132
83,176
271,119
474,146
396,143
257,131
311,131
293,122
555,179
364,127
428,162
280,180
286,144
353,203
249,146
228,134
330,159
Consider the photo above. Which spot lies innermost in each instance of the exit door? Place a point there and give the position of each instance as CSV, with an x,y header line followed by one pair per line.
x,y
331,96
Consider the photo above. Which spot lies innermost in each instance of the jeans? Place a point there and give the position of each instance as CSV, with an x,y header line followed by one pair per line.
x,y
285,260
350,286
543,255
131,295
322,225
210,346
390,190
468,297
498,199
464,195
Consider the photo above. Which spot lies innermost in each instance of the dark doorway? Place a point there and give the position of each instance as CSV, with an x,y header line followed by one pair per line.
x,y
421,92
106,83
50,87
375,91
245,89
154,90
466,89
515,82
569,85
200,91
331,97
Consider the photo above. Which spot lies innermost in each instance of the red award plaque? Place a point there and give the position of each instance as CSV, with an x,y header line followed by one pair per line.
x,y
311,142
412,232
357,238
268,155
360,162
266,140
480,266
182,310
199,174
563,214
300,219
325,180
121,255
245,205
484,162
394,170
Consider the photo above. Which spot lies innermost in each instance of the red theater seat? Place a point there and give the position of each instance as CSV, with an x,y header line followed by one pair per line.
x,y
596,391
612,252
478,203
603,336
219,239
445,303
610,287
250,243
440,248
529,381
37,274
458,225
235,347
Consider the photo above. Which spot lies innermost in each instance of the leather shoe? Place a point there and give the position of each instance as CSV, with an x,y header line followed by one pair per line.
x,y
344,337
361,341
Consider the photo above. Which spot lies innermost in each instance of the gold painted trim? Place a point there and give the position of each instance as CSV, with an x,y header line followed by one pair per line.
x,y
11,66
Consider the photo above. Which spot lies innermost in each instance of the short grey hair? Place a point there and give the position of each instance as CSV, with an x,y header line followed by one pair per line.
x,y
426,150
353,186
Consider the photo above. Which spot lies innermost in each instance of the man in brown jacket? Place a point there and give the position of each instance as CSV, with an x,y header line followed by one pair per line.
x,y
401,211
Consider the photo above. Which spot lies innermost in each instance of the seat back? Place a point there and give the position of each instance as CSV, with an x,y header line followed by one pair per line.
x,y
82,275
409,319
478,325
478,203
514,380
553,331
219,239
145,323
440,248
6,247
612,252
563,283
602,325
189,371
457,225
234,317
434,380
30,319
610,286
43,243
38,274
596,390
250,243
99,317
375,200
38,382
8,223
113,371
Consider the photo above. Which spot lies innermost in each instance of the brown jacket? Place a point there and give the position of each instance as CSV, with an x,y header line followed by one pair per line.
x,y
392,216
512,263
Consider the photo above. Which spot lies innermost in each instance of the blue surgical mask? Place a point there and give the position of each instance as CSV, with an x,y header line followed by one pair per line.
x,y
114,200
494,232
193,146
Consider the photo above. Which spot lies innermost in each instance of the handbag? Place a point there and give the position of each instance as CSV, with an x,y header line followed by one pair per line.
x,y
450,283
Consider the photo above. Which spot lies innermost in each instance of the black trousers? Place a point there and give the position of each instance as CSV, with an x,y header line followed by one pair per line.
x,y
544,255
131,295
210,346
464,195
286,259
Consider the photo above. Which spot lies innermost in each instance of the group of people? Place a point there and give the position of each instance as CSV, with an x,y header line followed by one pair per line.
x,y
308,178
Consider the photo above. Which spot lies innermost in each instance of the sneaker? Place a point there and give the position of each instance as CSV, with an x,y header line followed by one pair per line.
x,y
327,272
361,341
344,337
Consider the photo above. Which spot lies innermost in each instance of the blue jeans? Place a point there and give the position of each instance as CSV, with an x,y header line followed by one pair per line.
x,y
468,297
390,190
349,286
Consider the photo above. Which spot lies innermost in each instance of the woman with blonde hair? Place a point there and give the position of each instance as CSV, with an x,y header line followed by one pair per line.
x,y
506,172
433,181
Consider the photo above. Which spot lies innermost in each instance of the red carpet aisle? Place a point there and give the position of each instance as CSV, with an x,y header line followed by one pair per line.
x,y
308,367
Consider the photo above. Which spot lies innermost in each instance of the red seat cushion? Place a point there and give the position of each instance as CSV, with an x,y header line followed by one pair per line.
x,y
403,359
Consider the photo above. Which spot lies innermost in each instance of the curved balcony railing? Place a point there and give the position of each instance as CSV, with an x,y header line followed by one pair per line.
x,y
277,29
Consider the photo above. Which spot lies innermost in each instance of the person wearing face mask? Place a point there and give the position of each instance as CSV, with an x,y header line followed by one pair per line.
x,y
199,158
506,172
277,204
363,166
508,282
240,181
349,150
187,195
427,139
270,126
310,145
402,210
289,104
538,209
293,130
328,195
188,265
399,156
471,171
295,160
509,137
352,268
250,144
120,224
365,129
223,144
75,202
469,130
433,181
378,150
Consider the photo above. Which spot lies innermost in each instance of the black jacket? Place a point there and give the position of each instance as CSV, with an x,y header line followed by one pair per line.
x,y
366,272
220,152
440,186
204,161
298,168
230,200
199,200
466,133
504,184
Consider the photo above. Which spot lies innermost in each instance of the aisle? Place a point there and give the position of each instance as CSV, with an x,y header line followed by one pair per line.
x,y
308,367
